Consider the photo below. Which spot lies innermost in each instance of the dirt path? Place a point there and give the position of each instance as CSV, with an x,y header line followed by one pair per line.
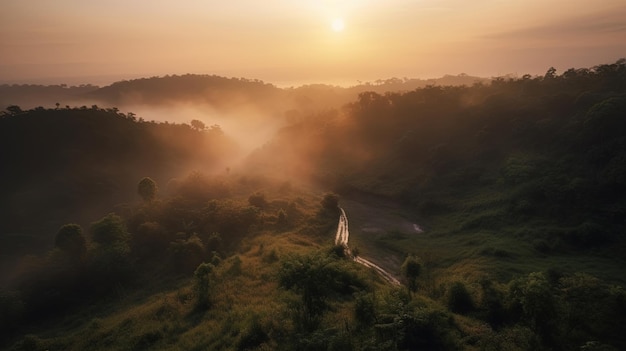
x,y
341,238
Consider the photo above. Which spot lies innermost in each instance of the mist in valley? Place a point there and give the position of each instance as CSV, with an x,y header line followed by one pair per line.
x,y
463,188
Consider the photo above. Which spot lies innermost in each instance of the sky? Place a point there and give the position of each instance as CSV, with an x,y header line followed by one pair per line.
x,y
293,42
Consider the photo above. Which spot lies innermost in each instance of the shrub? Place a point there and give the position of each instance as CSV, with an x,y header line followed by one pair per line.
x,y
202,285
458,299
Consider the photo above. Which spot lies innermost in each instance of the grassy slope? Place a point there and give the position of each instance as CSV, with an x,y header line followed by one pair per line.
x,y
162,316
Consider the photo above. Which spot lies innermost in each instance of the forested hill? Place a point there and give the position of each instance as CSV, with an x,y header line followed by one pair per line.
x,y
221,93
546,152
511,197
63,165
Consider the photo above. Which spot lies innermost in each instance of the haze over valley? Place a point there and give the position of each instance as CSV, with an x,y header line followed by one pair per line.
x,y
314,175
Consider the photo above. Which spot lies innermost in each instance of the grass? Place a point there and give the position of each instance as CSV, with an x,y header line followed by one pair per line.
x,y
248,309
472,240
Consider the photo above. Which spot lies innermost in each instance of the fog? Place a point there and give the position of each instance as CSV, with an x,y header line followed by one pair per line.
x,y
247,125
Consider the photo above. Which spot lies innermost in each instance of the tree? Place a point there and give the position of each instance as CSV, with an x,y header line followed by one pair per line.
x,y
71,240
14,110
109,230
532,297
316,278
197,124
202,285
411,269
550,73
147,189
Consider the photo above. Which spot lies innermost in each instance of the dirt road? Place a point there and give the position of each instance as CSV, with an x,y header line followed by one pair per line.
x,y
341,238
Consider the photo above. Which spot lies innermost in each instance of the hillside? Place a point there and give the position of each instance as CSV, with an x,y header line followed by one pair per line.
x,y
222,94
76,164
499,206
545,151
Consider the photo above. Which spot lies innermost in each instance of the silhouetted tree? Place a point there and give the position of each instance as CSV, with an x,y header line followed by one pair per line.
x,y
550,73
202,285
197,124
147,189
410,270
14,110
109,230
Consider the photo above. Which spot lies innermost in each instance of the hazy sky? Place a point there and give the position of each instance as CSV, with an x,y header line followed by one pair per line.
x,y
292,41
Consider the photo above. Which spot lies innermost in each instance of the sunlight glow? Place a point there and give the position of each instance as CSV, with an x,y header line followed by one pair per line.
x,y
338,25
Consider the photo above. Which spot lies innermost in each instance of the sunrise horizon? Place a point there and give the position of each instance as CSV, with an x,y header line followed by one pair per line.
x,y
285,43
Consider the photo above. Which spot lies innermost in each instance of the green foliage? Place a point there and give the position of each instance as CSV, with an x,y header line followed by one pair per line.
x,y
550,147
534,297
109,230
509,178
147,189
317,278
568,311
98,164
202,285
411,269
364,310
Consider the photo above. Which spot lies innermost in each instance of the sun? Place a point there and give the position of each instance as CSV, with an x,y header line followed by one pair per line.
x,y
338,25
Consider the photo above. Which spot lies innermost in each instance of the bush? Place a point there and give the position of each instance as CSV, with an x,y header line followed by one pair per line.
x,y
364,310
458,299
109,230
202,285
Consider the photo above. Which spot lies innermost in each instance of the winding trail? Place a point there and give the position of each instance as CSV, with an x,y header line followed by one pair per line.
x,y
341,238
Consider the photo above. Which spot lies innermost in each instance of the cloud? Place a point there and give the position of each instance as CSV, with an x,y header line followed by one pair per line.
x,y
605,27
